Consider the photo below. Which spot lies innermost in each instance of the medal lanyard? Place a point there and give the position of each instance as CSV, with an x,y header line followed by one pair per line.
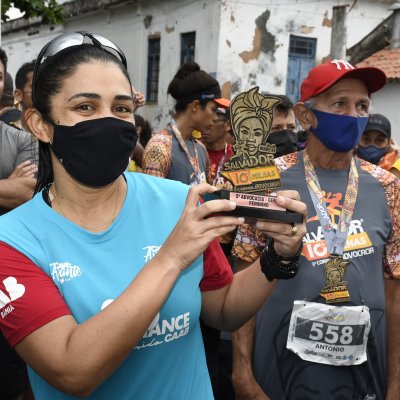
x,y
220,165
335,238
182,144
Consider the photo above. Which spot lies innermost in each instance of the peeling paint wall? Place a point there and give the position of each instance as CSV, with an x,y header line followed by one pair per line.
x,y
254,37
244,42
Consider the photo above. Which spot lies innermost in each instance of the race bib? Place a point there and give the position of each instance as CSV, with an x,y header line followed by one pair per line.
x,y
334,335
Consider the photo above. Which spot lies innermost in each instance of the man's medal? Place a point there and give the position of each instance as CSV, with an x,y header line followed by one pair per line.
x,y
335,289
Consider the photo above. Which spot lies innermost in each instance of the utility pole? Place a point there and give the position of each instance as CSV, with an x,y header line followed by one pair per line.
x,y
339,32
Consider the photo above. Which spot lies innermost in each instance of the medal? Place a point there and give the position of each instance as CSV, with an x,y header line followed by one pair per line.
x,y
335,289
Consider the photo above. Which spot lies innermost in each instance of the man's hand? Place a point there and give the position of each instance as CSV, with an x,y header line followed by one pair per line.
x,y
24,170
140,99
247,388
287,238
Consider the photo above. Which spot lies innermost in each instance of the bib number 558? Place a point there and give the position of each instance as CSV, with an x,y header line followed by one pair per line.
x,y
331,334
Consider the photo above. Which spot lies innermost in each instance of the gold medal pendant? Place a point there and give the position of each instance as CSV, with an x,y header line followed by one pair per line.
x,y
335,290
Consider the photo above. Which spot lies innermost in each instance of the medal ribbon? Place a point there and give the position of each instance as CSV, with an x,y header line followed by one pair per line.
x,y
335,238
195,165
220,165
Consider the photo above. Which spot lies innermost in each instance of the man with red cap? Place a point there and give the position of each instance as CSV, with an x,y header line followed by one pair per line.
x,y
333,331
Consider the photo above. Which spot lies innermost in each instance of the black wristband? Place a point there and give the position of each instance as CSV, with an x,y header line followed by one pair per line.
x,y
272,266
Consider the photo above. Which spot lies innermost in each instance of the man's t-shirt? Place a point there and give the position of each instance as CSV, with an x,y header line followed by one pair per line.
x,y
217,160
90,270
16,146
372,248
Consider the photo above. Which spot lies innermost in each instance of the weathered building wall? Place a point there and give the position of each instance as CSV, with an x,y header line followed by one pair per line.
x,y
129,25
244,42
254,37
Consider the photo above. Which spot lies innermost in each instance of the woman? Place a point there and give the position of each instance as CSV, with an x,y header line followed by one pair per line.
x,y
93,311
174,153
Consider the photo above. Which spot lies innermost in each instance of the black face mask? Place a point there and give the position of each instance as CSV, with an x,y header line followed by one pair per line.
x,y
95,152
285,142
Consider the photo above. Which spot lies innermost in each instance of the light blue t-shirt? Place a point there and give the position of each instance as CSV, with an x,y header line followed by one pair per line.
x,y
92,269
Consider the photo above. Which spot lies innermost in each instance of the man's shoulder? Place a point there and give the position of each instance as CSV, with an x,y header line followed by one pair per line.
x,y
13,134
287,161
384,177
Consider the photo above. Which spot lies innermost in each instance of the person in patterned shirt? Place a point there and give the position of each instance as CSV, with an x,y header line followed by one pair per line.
x,y
174,153
311,338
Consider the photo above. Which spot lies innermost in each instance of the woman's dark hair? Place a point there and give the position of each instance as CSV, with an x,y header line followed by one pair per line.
x,y
188,81
49,81
146,131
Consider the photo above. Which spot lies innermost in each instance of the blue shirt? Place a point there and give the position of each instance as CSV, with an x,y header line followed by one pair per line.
x,y
92,269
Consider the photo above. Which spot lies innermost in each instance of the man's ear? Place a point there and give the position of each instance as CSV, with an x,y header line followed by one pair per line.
x,y
39,127
18,96
304,115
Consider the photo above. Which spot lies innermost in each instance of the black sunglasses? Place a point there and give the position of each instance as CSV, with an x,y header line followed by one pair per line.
x,y
67,40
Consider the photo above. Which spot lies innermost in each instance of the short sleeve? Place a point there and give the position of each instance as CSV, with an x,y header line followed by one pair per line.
x,y
392,249
29,298
157,156
217,271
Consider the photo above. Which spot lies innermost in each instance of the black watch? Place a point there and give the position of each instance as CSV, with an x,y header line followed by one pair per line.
x,y
272,265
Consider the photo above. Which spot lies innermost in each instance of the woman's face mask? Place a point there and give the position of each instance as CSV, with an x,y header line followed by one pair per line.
x,y
95,152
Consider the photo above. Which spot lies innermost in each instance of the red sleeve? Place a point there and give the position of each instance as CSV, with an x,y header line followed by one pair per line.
x,y
217,271
29,298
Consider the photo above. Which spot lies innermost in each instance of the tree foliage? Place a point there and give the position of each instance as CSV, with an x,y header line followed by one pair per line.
x,y
49,10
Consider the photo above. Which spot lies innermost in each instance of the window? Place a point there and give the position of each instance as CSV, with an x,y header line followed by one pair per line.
x,y
301,60
302,47
153,70
188,45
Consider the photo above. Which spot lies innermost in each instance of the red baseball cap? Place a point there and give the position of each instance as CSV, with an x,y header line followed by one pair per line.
x,y
323,76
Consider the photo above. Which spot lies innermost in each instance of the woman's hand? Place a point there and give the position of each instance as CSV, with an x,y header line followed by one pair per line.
x,y
198,227
287,237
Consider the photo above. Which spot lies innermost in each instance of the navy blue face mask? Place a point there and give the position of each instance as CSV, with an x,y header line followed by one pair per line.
x,y
95,152
339,133
371,153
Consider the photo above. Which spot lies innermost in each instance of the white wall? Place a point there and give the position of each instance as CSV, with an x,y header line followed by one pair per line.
x,y
386,102
125,26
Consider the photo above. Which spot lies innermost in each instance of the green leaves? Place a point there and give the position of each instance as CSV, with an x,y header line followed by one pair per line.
x,y
49,10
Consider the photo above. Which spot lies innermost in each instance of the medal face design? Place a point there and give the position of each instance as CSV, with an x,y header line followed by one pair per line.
x,y
335,289
251,169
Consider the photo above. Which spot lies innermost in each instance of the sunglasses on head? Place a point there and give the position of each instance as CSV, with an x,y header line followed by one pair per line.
x,y
67,40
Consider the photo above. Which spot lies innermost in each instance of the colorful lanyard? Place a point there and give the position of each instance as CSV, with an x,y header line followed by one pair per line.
x,y
220,165
335,238
182,144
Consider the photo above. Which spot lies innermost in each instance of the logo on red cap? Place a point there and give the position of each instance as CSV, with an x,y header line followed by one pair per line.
x,y
342,63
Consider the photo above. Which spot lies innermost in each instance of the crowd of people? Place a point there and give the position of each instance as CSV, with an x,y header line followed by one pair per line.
x,y
117,279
